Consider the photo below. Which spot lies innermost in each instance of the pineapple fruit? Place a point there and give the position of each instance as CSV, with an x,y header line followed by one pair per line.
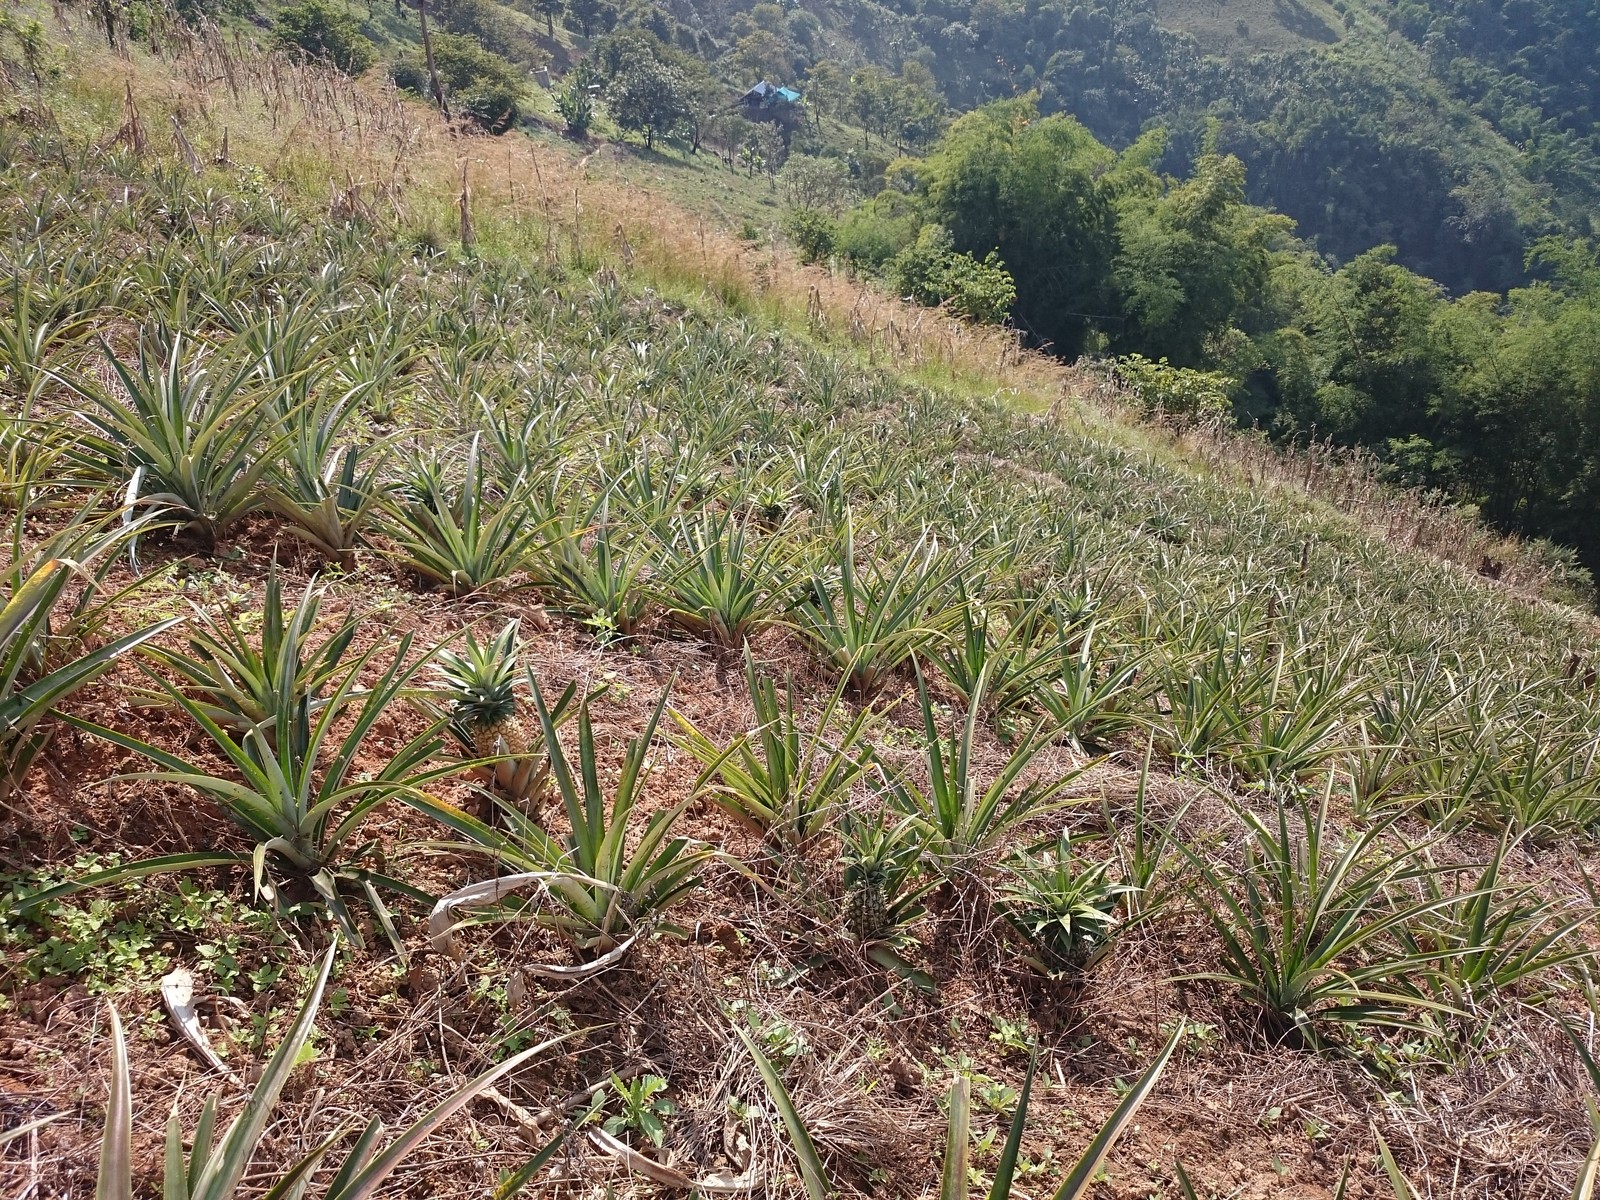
x,y
879,861
865,912
482,682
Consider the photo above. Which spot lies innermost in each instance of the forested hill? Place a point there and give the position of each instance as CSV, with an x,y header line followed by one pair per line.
x,y
1458,130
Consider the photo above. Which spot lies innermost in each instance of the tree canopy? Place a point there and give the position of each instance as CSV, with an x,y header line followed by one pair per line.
x,y
1492,398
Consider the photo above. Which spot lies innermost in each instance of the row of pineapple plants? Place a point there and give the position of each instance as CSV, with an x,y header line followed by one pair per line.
x,y
641,470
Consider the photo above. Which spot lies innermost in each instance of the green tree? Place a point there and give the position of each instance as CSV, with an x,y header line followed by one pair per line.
x,y
769,143
586,14
1373,326
918,109
723,131
763,54
1514,414
1005,179
462,64
822,184
549,10
872,233
1190,261
486,21
317,29
827,89
705,97
874,100
648,96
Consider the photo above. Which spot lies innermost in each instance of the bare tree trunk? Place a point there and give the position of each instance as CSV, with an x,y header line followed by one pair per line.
x,y
427,54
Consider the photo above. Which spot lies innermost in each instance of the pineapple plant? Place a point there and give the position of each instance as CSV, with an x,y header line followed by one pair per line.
x,y
1063,906
882,869
485,718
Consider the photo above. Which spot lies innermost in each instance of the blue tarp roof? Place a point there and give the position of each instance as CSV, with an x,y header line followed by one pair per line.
x,y
769,93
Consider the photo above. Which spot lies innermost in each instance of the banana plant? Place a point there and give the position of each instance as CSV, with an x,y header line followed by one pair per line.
x,y
215,1166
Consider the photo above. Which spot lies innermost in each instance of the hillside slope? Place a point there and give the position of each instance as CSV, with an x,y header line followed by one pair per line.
x,y
685,473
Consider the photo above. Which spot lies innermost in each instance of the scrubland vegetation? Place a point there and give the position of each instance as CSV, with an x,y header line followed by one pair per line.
x,y
543,711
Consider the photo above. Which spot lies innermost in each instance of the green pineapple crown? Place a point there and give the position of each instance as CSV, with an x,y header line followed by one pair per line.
x,y
483,677
868,850
1065,905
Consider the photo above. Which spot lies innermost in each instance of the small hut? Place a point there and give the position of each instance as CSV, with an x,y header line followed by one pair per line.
x,y
769,102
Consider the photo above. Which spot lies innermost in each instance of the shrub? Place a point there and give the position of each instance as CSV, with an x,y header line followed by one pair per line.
x,y
487,87
980,291
1194,396
318,30
930,272
873,233
917,270
813,233
492,106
